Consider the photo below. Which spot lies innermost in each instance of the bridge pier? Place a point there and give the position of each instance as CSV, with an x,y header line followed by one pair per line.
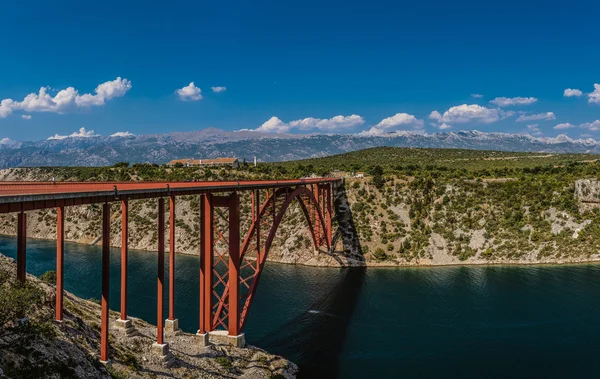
x,y
206,264
21,246
105,281
60,256
171,324
123,323
161,271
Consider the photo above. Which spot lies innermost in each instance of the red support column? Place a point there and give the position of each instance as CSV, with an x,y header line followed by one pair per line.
x,y
60,255
329,215
253,209
234,265
21,246
124,258
105,281
172,258
258,221
206,262
161,270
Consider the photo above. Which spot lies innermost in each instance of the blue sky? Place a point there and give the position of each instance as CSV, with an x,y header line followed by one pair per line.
x,y
310,66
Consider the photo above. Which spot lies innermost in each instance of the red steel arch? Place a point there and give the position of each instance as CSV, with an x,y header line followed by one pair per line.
x,y
315,204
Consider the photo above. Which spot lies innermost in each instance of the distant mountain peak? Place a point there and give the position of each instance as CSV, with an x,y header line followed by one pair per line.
x,y
213,142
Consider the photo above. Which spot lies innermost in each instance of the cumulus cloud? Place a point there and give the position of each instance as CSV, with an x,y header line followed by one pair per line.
x,y
122,134
592,126
82,133
337,123
476,95
6,141
394,122
466,113
67,99
218,89
444,126
536,117
26,117
189,93
565,125
533,129
593,97
508,101
569,92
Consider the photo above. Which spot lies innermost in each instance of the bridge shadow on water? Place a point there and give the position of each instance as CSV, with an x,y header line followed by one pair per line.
x,y
317,336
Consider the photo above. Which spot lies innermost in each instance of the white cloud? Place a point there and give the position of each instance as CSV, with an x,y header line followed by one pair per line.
x,y
122,134
593,126
444,126
569,92
26,117
218,89
476,95
7,106
593,97
189,93
6,141
565,125
536,117
82,133
534,130
275,125
389,124
506,101
465,113
67,99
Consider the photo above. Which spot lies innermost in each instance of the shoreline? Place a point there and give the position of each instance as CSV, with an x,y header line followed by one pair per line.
x,y
388,265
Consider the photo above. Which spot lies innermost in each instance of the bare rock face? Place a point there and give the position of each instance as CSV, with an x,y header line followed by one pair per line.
x,y
587,190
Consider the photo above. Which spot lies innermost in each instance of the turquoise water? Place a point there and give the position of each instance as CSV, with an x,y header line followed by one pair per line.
x,y
451,322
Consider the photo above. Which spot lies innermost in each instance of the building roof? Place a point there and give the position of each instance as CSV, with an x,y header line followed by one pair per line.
x,y
198,162
175,161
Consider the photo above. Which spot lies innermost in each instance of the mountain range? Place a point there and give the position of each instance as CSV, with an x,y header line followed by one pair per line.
x,y
212,142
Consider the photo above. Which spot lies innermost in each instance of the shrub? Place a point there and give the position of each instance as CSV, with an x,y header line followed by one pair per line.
x,y
49,277
379,255
224,362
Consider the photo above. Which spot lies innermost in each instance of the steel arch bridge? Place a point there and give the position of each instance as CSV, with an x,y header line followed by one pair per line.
x,y
230,265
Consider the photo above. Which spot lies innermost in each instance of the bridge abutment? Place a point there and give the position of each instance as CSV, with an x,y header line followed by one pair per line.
x,y
222,336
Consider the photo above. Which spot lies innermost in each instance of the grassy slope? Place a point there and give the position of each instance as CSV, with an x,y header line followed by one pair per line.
x,y
393,158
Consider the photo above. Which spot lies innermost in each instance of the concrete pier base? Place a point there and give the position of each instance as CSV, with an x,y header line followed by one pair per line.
x,y
124,326
221,336
162,352
202,338
171,326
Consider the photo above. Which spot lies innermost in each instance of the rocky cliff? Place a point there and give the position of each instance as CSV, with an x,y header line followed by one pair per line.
x,y
406,221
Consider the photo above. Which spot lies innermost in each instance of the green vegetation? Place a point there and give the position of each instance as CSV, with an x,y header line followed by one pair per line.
x,y
224,362
447,162
49,277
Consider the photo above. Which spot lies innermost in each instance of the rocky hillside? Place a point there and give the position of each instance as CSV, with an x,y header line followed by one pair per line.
x,y
420,221
41,348
417,216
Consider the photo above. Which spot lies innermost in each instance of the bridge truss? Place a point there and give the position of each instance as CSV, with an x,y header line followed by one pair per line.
x,y
231,260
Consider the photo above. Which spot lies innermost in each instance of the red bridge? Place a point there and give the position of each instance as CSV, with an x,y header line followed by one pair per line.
x,y
230,266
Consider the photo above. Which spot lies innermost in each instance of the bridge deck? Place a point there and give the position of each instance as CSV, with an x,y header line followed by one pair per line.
x,y
25,196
